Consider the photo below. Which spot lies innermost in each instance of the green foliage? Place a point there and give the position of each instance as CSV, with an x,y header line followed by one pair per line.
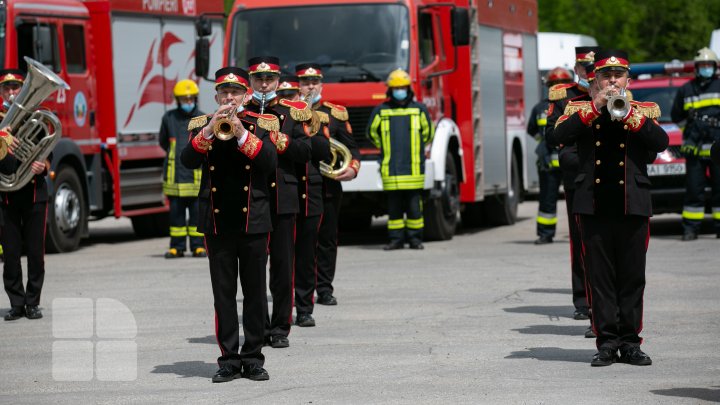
x,y
228,6
649,30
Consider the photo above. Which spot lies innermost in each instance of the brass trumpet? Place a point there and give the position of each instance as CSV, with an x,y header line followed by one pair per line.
x,y
224,129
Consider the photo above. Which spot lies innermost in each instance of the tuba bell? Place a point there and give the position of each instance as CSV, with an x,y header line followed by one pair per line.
x,y
38,131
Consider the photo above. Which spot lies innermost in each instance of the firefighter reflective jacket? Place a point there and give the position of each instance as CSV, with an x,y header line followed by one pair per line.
x,y
401,133
178,180
698,103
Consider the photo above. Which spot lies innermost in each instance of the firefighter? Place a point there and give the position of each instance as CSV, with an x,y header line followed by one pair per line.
x,y
335,122
180,184
234,216
698,104
548,164
11,81
612,203
294,118
401,127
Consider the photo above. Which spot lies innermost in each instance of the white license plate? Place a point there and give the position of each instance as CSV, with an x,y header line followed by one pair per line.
x,y
668,169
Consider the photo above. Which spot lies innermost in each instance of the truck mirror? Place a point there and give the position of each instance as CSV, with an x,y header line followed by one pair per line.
x,y
202,57
460,26
203,28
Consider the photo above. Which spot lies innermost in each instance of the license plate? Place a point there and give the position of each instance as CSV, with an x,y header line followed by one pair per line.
x,y
668,169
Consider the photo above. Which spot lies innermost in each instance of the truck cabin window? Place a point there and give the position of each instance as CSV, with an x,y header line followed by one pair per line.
x,y
39,41
74,48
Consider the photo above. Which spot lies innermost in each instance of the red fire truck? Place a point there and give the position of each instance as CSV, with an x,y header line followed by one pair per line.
x,y
473,63
121,59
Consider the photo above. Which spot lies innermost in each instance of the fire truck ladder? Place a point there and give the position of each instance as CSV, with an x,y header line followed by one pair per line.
x,y
476,99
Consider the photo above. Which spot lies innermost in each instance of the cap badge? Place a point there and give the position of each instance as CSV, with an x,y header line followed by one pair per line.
x,y
231,77
613,59
263,66
310,71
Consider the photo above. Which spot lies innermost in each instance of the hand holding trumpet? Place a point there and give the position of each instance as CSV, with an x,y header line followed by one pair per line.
x,y
225,123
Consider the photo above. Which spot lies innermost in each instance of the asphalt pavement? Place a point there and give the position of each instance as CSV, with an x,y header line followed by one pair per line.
x,y
485,318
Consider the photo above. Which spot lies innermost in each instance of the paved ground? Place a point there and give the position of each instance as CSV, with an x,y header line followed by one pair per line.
x,y
484,318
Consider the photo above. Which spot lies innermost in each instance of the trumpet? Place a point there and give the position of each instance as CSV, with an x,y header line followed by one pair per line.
x,y
224,129
618,104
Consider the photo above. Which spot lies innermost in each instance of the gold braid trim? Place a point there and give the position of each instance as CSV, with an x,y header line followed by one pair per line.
x,y
324,118
251,147
301,115
268,123
573,107
557,93
197,122
648,109
339,114
280,141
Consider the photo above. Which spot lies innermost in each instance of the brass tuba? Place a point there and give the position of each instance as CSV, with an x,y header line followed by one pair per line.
x,y
38,131
340,156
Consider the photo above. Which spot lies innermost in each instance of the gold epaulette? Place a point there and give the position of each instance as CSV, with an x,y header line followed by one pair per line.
x,y
337,111
648,109
559,91
267,122
324,118
299,110
197,122
575,106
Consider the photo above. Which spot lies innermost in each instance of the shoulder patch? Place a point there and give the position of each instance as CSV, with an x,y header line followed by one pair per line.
x,y
575,106
197,122
337,111
559,91
299,110
324,117
267,122
648,109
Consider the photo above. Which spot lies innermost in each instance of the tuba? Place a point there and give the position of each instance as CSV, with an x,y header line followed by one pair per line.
x,y
341,157
38,131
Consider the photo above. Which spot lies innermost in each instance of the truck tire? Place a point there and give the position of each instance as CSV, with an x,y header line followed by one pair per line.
x,y
502,210
67,212
441,213
473,215
151,225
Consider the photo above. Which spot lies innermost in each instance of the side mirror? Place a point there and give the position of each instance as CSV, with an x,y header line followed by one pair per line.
x,y
460,26
202,57
203,28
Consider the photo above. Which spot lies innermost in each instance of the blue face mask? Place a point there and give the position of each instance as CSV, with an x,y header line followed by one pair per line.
x,y
399,94
706,72
187,107
6,105
316,98
268,96
583,83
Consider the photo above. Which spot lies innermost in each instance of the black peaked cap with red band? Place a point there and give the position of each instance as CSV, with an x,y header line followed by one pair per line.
x,y
612,59
288,82
12,75
232,75
264,65
590,71
307,70
585,54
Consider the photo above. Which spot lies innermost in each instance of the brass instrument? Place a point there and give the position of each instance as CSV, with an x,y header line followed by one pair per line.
x,y
38,131
224,129
340,156
617,104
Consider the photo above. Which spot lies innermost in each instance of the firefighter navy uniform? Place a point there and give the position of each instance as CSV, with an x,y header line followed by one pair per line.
x,y
234,215
698,103
612,203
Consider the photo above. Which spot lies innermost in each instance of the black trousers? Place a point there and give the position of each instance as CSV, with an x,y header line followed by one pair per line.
x,y
24,227
230,256
183,223
550,181
282,253
695,182
327,244
577,271
405,202
614,259
305,273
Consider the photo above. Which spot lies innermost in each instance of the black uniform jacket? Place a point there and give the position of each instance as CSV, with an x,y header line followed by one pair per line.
x,y
35,191
715,153
310,186
613,155
336,117
234,196
294,118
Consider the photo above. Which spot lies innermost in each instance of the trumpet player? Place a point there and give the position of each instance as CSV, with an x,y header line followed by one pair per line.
x,y
236,150
335,126
612,204
294,118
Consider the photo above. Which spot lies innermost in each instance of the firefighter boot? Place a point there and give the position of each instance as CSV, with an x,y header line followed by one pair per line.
x,y
199,252
173,253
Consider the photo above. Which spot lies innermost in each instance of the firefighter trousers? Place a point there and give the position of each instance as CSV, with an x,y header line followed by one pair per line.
x,y
614,259
695,182
550,181
282,255
577,271
24,227
327,244
305,270
403,203
183,223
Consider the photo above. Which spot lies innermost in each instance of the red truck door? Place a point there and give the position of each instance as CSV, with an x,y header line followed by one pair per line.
x,y
435,56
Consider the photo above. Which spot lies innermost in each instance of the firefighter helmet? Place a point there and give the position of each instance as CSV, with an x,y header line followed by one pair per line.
x,y
398,78
186,88
706,55
558,75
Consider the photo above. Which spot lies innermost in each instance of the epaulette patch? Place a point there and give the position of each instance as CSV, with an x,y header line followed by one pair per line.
x,y
648,109
299,110
324,118
575,106
559,91
267,122
197,122
337,111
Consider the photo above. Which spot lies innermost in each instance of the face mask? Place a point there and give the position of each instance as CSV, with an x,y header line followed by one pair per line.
x,y
706,72
268,96
187,107
583,83
6,104
399,94
316,98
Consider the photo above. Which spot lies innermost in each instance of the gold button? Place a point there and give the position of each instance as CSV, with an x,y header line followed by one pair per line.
x,y
212,168
622,145
32,181
210,147
597,162
216,210
282,116
214,189
251,127
622,182
244,209
304,178
625,127
597,181
246,188
597,126
272,184
622,163
597,143
304,196
247,167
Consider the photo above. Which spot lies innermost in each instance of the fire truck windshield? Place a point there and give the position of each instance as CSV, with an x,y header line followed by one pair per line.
x,y
353,43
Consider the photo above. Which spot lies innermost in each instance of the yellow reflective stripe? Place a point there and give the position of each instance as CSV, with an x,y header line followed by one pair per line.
x,y
385,134
541,122
197,175
403,182
181,189
171,164
715,215
555,163
704,153
415,145
1,250
427,129
374,135
415,223
546,221
395,112
192,231
702,103
396,224
176,231
693,215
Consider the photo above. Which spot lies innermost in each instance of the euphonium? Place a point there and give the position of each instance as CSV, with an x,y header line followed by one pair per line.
x,y
338,150
618,105
38,131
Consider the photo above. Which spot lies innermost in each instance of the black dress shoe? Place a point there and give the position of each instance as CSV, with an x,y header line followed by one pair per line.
x,y
589,334
225,374
394,246
544,240
635,356
326,299
604,357
688,236
279,342
581,314
15,313
305,320
417,246
255,373
33,312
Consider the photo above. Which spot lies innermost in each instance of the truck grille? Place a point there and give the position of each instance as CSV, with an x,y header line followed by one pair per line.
x,y
359,119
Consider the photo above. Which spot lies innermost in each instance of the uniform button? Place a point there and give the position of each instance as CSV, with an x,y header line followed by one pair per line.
x,y
597,126
622,145
622,182
304,178
251,127
214,189
597,162
246,188
216,210
597,181
622,163
597,143
32,181
304,196
247,167
272,184
244,209
625,127
210,147
212,168
282,116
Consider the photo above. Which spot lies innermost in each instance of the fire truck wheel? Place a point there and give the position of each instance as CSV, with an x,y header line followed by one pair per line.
x,y
67,213
151,225
502,209
441,213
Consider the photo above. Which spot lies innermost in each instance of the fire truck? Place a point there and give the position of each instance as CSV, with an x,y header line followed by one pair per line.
x,y
473,63
121,59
